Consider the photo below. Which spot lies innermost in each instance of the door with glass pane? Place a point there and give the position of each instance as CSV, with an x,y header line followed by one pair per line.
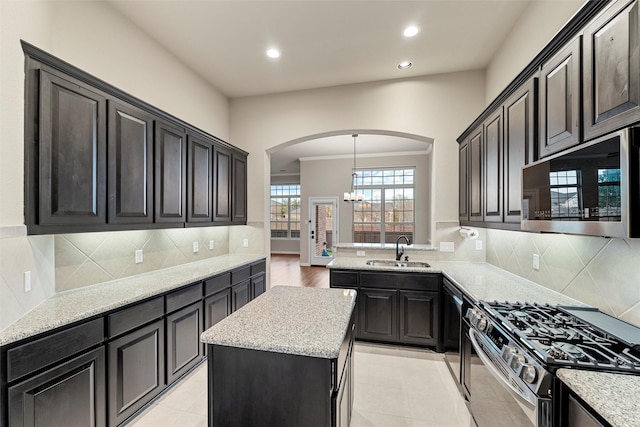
x,y
323,229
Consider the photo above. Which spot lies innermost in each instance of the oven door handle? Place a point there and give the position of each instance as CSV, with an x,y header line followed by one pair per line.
x,y
489,364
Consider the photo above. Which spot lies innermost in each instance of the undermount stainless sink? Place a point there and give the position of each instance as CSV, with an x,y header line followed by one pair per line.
x,y
392,263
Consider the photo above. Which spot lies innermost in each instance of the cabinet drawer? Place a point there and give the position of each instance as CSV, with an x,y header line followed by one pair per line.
x,y
217,283
344,278
408,281
240,274
132,317
258,268
178,299
26,358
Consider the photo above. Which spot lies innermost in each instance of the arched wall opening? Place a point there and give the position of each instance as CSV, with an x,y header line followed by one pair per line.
x,y
329,175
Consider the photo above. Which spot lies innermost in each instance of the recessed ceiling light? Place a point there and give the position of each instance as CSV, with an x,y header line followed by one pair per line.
x,y
411,31
273,53
404,65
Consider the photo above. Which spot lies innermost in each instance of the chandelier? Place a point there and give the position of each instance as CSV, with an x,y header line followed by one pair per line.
x,y
353,196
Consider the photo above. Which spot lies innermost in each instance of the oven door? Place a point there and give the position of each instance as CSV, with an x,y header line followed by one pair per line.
x,y
494,399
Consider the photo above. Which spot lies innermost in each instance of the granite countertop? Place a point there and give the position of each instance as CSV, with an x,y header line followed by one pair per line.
x,y
79,304
613,396
303,321
479,280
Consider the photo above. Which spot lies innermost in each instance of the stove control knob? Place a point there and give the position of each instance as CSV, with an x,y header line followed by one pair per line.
x,y
507,352
517,361
529,373
482,324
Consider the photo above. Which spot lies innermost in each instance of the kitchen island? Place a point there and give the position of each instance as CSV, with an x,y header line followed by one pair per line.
x,y
284,359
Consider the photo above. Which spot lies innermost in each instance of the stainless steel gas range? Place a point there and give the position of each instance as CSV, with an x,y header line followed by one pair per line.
x,y
521,345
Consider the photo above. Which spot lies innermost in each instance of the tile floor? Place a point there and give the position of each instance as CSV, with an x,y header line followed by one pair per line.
x,y
395,387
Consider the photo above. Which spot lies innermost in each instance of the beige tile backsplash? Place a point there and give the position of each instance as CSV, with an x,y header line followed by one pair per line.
x,y
603,272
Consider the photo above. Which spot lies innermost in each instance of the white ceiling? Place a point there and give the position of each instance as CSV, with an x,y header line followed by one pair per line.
x,y
324,43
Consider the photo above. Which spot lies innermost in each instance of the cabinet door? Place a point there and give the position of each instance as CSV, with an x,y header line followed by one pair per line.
x,y
612,70
258,286
560,100
342,398
200,180
217,307
463,183
519,145
130,171
221,185
72,153
419,317
240,294
378,311
492,190
170,173
184,349
239,193
476,163
136,370
71,394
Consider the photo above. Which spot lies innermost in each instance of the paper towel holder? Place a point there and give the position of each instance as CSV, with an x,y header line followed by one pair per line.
x,y
469,233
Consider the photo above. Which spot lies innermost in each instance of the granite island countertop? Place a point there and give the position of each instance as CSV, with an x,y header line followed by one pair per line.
x,y
613,396
479,280
72,306
302,321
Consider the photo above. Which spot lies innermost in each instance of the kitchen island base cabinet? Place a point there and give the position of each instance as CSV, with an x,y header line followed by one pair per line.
x,y
71,394
276,389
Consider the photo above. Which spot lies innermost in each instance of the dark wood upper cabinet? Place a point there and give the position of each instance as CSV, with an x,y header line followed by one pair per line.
x,y
222,185
493,168
130,168
170,173
200,179
463,183
560,100
612,70
239,193
72,153
519,144
476,167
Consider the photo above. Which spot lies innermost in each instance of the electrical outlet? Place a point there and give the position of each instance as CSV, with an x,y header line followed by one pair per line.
x,y
211,245
27,281
536,262
139,256
196,247
447,247
478,245
245,243
360,253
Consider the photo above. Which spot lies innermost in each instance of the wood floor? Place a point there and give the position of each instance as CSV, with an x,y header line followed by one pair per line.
x,y
286,270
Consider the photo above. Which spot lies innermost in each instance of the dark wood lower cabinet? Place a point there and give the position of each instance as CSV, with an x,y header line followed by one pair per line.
x,y
419,317
240,294
184,349
378,313
258,286
217,307
136,370
72,394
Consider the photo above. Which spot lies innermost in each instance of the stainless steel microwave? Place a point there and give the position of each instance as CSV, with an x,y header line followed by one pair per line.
x,y
592,189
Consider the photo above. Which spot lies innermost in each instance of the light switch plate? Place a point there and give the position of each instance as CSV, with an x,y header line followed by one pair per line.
x,y
245,243
139,256
360,253
211,245
27,281
536,262
447,247
478,245
196,247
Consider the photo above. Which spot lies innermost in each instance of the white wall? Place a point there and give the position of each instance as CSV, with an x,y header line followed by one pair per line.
x,y
540,21
438,107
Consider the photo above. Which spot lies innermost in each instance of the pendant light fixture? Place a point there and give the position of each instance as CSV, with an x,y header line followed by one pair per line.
x,y
353,196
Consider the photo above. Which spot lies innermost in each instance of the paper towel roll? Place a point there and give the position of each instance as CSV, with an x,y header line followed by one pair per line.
x,y
469,233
